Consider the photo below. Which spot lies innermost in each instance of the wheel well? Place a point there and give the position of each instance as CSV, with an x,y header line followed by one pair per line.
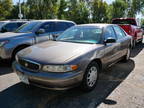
x,y
98,61
19,48
130,45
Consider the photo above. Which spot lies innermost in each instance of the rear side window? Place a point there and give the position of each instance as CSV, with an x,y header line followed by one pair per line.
x,y
119,32
20,23
61,26
70,24
56,26
109,32
11,26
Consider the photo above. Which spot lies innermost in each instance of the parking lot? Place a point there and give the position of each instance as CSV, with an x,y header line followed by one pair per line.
x,y
120,86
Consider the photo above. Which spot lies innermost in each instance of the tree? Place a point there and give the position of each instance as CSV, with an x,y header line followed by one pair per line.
x,y
62,9
135,6
99,11
5,9
42,9
77,11
142,22
118,8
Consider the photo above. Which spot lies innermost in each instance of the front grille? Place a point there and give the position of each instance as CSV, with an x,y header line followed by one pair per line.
x,y
29,64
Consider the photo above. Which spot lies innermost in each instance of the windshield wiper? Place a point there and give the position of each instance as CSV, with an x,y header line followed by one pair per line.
x,y
76,42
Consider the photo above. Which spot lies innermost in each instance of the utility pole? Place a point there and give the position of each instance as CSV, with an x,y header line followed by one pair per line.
x,y
20,15
24,15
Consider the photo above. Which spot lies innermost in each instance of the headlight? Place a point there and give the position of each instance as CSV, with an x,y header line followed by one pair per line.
x,y
59,68
3,43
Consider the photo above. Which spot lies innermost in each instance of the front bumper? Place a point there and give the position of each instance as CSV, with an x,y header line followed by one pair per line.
x,y
51,80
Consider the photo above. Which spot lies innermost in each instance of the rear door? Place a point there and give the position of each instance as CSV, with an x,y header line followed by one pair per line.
x,y
49,28
60,27
112,52
122,40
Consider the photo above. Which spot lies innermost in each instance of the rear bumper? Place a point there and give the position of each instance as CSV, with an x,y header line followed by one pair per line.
x,y
55,81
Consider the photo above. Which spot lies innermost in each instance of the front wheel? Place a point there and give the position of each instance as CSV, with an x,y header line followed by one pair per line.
x,y
90,77
16,51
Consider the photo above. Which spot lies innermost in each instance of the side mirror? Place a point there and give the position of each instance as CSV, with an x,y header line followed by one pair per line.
x,y
110,40
40,31
55,35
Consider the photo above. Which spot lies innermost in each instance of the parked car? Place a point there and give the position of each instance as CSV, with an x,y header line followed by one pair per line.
x,y
75,58
2,22
29,34
130,26
10,26
142,28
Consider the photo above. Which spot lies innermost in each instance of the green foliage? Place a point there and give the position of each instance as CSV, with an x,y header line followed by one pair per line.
x,y
135,6
118,9
5,9
42,9
142,22
63,4
80,11
99,11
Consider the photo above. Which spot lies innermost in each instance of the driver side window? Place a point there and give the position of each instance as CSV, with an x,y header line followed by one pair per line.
x,y
48,27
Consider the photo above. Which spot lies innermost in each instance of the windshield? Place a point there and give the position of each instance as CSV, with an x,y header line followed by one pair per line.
x,y
28,27
1,23
81,35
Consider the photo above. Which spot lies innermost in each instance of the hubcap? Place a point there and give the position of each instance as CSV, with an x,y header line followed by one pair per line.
x,y
128,54
92,76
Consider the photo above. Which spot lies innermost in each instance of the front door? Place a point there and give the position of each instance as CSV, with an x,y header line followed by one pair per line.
x,y
48,34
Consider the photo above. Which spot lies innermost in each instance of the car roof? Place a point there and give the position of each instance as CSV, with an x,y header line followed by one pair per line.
x,y
101,25
13,21
8,22
5,21
16,21
51,20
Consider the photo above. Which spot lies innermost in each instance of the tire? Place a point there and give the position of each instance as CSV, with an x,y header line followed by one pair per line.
x,y
141,41
127,56
16,51
90,77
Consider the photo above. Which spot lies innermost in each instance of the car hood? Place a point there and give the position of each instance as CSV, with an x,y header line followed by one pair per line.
x,y
53,52
11,35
